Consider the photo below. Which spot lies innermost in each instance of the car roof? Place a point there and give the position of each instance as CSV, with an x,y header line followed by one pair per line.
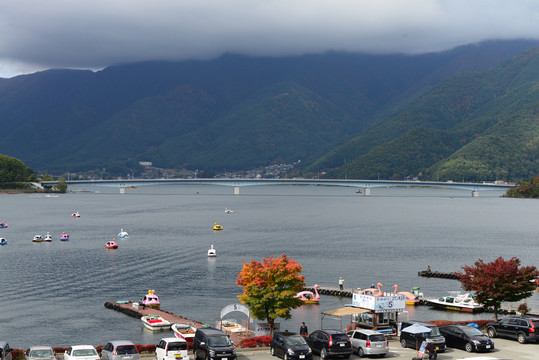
x,y
210,331
121,342
40,347
172,339
367,331
78,347
332,331
424,323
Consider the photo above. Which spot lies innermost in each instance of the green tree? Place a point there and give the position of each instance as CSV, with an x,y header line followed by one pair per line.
x,y
62,185
499,281
269,288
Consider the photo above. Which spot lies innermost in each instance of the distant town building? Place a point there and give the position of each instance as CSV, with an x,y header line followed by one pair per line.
x,y
145,163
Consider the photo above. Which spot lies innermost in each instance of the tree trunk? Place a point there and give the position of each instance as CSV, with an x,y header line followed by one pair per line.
x,y
496,308
271,323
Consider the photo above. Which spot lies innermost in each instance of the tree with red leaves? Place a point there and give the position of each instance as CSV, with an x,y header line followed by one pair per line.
x,y
499,281
269,288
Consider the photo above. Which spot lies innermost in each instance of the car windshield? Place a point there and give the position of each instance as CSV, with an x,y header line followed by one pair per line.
x,y
84,352
471,331
219,341
295,340
41,353
176,346
434,331
126,350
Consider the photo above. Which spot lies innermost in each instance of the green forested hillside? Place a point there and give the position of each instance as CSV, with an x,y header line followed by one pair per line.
x,y
13,173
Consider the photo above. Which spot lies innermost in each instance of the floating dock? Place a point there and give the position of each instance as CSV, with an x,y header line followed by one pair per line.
x,y
438,274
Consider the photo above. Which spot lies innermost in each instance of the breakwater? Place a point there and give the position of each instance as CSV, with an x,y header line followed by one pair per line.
x,y
438,274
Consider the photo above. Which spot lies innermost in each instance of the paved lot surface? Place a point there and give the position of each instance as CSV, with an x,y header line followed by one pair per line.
x,y
504,349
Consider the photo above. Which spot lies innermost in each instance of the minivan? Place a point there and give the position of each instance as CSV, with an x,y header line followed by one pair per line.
x,y
5,351
414,340
171,349
213,344
120,350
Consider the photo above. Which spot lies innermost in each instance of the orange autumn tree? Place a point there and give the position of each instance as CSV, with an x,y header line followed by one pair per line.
x,y
269,288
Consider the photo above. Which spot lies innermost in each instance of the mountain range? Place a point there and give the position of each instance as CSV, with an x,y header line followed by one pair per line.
x,y
464,114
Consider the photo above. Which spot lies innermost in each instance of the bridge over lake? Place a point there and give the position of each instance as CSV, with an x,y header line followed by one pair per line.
x,y
364,186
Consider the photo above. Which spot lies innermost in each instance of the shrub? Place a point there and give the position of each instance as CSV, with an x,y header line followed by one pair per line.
x,y
523,308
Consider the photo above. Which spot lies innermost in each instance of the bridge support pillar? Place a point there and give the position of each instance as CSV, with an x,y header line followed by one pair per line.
x,y
367,192
122,190
236,190
475,193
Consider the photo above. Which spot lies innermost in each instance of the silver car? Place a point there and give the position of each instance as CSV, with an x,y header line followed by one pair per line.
x,y
368,342
120,350
40,353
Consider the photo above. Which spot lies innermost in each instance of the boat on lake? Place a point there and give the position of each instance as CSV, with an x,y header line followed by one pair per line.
x,y
111,244
48,237
212,252
123,234
155,322
75,215
231,325
3,224
3,241
464,303
308,297
64,237
217,227
37,238
228,211
151,300
184,331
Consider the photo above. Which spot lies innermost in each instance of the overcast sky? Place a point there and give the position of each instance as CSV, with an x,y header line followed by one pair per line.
x,y
92,34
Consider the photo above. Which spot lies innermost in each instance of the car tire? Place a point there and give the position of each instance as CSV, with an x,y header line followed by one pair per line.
x,y
323,354
491,332
381,355
521,337
360,352
403,343
468,347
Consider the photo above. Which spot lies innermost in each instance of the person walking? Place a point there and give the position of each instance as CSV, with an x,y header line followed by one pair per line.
x,y
303,329
341,283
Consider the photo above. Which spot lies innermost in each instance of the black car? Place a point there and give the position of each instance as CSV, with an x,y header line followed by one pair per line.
x,y
522,328
330,343
411,340
466,337
290,346
212,344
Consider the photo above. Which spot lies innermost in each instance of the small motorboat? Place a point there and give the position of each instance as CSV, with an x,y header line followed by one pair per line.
x,y
111,244
212,252
3,224
155,322
184,331
228,211
48,237
217,227
3,241
231,325
464,303
38,238
123,234
75,215
151,300
64,237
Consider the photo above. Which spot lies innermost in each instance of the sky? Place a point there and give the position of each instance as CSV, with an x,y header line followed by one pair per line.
x,y
91,34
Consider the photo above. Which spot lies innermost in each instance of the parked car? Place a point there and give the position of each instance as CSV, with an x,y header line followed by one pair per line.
x,y
120,350
81,352
40,353
413,340
171,349
466,337
368,342
290,346
5,351
211,343
522,328
329,343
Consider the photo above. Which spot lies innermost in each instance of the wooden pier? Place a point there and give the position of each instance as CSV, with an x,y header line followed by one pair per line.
x,y
438,274
333,291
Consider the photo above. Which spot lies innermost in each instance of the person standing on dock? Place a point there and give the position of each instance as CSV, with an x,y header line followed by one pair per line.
x,y
303,329
341,283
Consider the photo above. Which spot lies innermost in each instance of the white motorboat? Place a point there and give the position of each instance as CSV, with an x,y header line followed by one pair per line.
x,y
48,237
123,234
184,331
212,252
155,322
231,325
37,238
228,211
465,303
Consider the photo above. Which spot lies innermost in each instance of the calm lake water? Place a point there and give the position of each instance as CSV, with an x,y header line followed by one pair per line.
x,y
53,293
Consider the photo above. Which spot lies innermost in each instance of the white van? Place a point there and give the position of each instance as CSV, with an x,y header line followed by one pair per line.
x,y
171,349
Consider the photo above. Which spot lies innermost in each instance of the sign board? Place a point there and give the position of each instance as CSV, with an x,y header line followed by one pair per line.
x,y
263,329
380,304
234,307
421,351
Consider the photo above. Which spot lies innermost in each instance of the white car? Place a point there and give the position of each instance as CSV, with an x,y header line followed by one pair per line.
x,y
40,353
171,349
81,352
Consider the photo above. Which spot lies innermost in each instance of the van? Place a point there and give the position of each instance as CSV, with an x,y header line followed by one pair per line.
x,y
414,340
5,351
171,349
212,344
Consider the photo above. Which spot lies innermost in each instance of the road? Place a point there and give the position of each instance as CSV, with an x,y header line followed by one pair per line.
x,y
504,349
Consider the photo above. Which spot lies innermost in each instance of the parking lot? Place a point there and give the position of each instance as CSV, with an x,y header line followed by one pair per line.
x,y
505,349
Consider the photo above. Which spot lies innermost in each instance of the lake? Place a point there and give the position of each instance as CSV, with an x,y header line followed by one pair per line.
x,y
53,293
